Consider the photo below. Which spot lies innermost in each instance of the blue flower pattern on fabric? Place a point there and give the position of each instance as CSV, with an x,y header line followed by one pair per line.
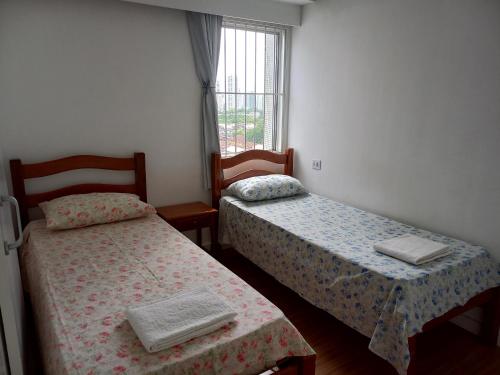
x,y
266,187
323,250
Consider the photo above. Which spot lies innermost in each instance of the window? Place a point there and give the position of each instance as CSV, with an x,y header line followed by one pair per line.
x,y
250,86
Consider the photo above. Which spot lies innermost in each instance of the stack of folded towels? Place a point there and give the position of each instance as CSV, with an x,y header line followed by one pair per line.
x,y
413,249
177,319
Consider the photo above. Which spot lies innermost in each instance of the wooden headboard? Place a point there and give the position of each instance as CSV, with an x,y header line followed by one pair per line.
x,y
220,164
21,172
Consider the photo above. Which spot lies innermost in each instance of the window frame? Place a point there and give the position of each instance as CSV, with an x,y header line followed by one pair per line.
x,y
280,93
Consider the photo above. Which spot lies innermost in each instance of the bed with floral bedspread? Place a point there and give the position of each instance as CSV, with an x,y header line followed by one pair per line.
x,y
82,280
323,250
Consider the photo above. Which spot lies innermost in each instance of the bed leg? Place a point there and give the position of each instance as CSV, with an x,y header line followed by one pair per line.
x,y
307,365
491,319
214,235
412,347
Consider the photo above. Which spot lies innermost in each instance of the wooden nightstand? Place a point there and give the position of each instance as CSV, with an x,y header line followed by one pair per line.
x,y
192,216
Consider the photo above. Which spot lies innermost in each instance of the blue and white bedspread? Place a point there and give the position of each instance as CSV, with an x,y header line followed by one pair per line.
x,y
323,250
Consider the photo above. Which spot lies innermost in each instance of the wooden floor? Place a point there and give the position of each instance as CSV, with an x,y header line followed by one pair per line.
x,y
341,350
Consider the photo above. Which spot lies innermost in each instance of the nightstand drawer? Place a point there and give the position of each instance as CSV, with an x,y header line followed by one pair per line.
x,y
190,223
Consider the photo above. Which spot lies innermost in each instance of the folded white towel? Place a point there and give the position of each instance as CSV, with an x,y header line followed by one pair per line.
x,y
413,249
177,319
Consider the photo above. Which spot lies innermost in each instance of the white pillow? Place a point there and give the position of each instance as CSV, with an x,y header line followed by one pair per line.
x,y
82,210
266,187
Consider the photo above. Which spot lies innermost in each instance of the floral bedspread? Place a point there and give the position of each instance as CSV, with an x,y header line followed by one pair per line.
x,y
323,250
82,280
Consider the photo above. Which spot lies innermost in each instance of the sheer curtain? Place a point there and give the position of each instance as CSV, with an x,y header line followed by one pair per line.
x,y
205,32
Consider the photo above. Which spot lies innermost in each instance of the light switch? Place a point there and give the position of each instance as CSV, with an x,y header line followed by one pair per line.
x,y
317,164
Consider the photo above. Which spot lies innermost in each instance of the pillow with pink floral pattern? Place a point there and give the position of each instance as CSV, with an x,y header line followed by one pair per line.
x,y
82,210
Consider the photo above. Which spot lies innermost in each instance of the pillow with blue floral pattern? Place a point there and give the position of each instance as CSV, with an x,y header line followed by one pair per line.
x,y
266,187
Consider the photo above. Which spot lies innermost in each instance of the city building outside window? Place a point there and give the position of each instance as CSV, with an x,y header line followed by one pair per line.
x,y
251,86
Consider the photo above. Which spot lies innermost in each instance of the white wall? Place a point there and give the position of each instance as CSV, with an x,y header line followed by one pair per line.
x,y
105,77
401,101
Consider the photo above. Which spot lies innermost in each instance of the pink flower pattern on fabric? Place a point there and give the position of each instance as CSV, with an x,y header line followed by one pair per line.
x,y
81,281
83,210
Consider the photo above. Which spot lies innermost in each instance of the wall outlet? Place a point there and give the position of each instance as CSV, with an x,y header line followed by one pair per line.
x,y
317,164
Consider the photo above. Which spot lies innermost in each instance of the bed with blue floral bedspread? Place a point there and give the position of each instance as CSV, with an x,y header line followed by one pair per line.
x,y
323,250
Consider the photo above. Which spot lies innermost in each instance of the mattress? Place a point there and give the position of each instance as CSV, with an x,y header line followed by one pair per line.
x,y
323,250
81,281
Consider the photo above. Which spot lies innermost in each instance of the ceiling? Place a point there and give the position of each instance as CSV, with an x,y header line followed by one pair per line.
x,y
298,2
283,12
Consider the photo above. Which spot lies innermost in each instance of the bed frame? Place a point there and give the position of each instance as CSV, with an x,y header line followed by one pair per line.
x,y
219,164
21,172
489,300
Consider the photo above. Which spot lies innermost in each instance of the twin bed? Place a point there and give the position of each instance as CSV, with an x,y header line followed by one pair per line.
x,y
323,250
81,281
